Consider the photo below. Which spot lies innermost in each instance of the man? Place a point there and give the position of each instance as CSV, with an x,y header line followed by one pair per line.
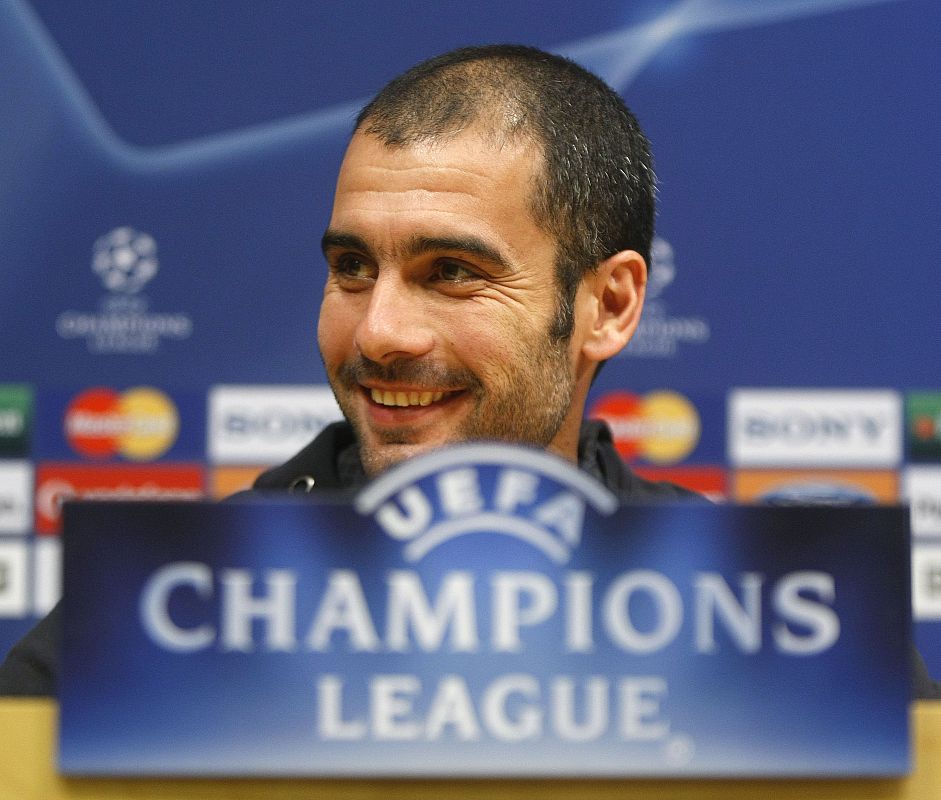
x,y
487,253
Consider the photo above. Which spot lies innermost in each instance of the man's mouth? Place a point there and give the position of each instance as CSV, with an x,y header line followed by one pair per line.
x,y
386,397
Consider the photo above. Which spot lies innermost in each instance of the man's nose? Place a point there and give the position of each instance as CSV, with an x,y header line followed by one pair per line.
x,y
395,325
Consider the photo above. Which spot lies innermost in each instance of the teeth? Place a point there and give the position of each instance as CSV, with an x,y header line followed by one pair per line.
x,y
404,399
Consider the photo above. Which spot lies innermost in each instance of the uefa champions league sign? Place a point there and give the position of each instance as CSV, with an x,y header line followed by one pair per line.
x,y
483,611
523,494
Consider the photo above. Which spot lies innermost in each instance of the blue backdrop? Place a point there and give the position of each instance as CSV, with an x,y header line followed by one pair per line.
x,y
166,171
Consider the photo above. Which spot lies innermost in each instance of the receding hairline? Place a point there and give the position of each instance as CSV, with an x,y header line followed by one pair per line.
x,y
486,129
593,189
485,91
483,95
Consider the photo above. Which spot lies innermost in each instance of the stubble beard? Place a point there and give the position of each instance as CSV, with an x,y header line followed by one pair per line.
x,y
525,407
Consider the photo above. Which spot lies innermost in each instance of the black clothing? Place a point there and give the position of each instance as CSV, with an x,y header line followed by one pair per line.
x,y
924,687
331,462
31,667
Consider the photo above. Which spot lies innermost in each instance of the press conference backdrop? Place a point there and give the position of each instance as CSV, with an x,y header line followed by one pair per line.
x,y
166,172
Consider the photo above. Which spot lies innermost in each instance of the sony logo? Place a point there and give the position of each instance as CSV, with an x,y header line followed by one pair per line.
x,y
273,422
798,426
815,427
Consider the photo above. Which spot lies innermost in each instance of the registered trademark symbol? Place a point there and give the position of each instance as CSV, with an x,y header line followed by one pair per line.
x,y
679,749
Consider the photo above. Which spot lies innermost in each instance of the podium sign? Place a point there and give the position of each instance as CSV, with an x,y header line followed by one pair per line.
x,y
484,611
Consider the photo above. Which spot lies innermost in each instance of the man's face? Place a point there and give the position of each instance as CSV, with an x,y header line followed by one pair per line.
x,y
440,295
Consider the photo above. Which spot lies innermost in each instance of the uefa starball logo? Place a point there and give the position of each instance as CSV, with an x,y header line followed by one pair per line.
x,y
662,269
125,261
661,333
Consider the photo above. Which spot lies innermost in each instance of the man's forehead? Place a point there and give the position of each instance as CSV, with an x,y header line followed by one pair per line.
x,y
470,174
477,148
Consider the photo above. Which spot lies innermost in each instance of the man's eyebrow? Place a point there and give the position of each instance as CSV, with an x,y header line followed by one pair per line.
x,y
420,245
469,245
349,241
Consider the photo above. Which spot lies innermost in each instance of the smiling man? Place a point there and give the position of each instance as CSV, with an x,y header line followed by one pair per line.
x,y
438,313
487,252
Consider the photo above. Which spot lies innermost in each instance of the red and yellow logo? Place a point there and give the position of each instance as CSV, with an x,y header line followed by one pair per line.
x,y
660,427
140,424
56,483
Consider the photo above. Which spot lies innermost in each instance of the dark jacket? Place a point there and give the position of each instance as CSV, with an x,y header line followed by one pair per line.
x,y
331,462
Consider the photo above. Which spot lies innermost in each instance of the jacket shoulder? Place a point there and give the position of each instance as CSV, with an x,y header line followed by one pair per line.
x,y
317,461
31,666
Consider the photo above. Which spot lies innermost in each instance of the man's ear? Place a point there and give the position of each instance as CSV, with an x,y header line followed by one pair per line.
x,y
617,287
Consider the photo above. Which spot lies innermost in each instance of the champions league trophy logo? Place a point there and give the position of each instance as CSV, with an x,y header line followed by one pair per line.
x,y
125,259
661,333
662,267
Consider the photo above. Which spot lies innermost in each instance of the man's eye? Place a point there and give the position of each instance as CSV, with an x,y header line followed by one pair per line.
x,y
454,272
353,267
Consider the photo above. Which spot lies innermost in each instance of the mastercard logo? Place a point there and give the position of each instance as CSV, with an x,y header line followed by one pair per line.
x,y
660,427
140,424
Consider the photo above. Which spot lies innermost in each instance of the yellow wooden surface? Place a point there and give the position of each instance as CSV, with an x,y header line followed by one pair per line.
x,y
27,772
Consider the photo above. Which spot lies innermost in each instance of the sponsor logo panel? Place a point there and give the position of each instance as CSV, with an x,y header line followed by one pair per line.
x,y
14,600
140,424
661,427
226,481
16,420
926,581
922,491
56,483
923,425
125,260
16,492
135,424
809,428
806,487
266,424
709,481
47,574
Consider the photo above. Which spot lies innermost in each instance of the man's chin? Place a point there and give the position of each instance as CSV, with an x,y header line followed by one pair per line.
x,y
377,459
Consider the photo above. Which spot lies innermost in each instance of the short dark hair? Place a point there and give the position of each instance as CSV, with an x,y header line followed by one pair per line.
x,y
595,194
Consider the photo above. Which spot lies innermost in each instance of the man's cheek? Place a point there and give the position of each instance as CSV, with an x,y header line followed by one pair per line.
x,y
331,338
